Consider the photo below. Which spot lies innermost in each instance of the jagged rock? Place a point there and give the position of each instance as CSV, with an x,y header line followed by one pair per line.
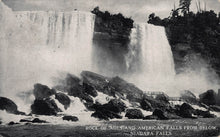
x,y
188,97
9,106
146,105
160,114
42,91
70,118
72,85
105,115
134,114
99,82
44,107
116,106
203,114
90,90
149,103
132,93
109,110
208,97
112,86
63,99
186,110
215,108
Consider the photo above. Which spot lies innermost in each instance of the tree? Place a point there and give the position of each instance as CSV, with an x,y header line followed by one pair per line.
x,y
184,5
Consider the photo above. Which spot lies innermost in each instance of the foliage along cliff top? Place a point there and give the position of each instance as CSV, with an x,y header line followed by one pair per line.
x,y
112,23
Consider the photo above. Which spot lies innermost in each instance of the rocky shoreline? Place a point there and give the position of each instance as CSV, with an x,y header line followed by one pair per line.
x,y
121,100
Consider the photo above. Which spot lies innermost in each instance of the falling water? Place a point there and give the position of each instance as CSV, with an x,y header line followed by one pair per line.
x,y
150,57
35,45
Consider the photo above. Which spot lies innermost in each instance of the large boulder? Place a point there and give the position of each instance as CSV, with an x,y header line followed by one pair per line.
x,y
90,90
134,114
112,86
63,99
9,106
149,103
186,111
42,91
99,82
73,86
70,118
208,98
44,107
160,114
121,86
109,110
105,115
189,97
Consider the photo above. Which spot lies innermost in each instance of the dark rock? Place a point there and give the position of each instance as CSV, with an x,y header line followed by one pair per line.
x,y
9,106
70,118
99,82
12,123
112,87
215,108
203,114
208,97
115,105
72,85
90,90
160,114
109,110
42,91
146,105
133,93
45,107
186,111
105,114
25,120
149,103
37,120
63,99
188,97
134,114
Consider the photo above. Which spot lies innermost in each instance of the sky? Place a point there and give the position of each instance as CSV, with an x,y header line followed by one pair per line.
x,y
138,10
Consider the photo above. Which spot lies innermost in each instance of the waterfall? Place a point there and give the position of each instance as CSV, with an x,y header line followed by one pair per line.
x,y
36,45
150,57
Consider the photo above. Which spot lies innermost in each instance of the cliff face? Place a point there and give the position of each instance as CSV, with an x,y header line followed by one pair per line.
x,y
193,34
111,39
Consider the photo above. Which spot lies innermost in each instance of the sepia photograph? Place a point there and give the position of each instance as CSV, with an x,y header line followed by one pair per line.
x,y
109,68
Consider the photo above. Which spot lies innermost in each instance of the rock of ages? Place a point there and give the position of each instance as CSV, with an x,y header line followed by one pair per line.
x,y
63,99
42,91
44,107
9,106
